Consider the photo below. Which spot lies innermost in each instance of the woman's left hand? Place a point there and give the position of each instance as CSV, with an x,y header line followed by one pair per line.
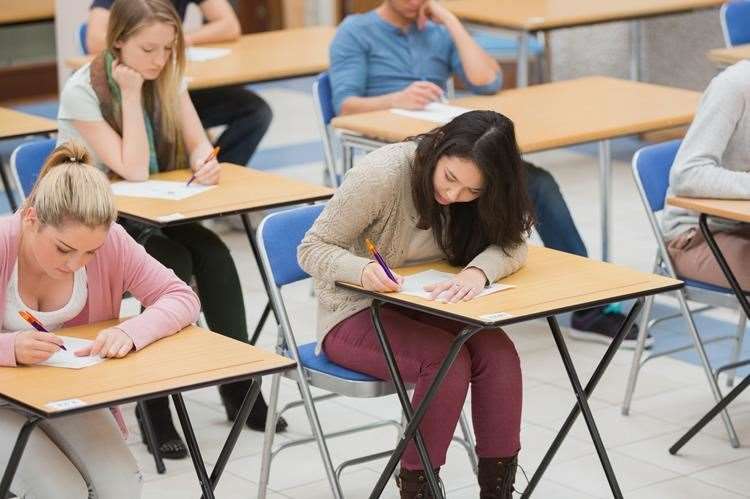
x,y
109,343
466,285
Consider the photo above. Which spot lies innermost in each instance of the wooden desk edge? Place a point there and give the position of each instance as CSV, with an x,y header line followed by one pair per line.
x,y
510,320
126,400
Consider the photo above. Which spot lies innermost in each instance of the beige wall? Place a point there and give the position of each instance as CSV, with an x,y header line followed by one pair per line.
x,y
674,50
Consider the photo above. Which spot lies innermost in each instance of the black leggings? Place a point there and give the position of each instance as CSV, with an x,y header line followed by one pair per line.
x,y
192,250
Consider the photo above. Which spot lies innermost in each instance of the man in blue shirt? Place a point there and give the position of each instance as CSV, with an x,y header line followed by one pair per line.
x,y
401,55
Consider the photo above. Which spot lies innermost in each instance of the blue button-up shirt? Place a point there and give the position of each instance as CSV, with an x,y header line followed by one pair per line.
x,y
371,57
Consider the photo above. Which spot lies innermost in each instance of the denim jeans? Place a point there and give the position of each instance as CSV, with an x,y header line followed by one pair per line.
x,y
246,115
554,223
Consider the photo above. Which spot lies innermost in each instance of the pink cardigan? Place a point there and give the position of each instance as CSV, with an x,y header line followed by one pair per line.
x,y
120,265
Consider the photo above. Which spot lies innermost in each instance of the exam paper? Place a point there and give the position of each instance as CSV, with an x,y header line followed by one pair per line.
x,y
68,359
414,284
159,189
434,111
202,54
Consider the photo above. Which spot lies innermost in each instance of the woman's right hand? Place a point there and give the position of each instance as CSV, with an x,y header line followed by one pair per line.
x,y
374,278
33,347
129,80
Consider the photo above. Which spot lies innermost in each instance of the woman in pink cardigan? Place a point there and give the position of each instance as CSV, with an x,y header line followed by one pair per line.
x,y
64,260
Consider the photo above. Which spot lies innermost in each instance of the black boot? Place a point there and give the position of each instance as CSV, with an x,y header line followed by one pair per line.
x,y
413,484
232,395
168,440
497,476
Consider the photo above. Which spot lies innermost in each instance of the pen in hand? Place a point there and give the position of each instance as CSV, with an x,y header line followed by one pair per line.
x,y
36,324
381,261
212,155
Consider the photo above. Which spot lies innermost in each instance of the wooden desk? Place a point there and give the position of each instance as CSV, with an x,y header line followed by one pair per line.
x,y
550,116
531,16
240,190
13,12
17,124
727,56
732,209
272,55
550,283
192,358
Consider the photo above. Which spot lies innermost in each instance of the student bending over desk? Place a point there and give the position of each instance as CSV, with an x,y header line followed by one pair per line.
x,y
450,194
713,162
401,55
246,115
66,262
101,105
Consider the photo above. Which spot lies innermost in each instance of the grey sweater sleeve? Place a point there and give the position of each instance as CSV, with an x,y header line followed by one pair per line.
x,y
698,169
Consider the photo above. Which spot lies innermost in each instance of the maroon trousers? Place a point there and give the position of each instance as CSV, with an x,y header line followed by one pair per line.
x,y
488,362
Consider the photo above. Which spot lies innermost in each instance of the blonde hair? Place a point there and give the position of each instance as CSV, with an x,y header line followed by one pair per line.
x,y
69,189
126,18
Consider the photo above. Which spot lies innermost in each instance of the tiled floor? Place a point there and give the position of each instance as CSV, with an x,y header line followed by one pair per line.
x,y
671,394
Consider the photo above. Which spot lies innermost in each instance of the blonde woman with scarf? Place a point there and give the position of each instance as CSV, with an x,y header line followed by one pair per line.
x,y
130,106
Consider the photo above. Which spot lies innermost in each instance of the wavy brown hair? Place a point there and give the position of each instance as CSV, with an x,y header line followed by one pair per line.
x,y
502,214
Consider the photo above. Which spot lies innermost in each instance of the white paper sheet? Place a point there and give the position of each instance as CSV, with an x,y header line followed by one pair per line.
x,y
415,283
159,189
434,111
202,54
68,359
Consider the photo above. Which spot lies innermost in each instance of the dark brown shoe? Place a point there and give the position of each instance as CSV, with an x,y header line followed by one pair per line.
x,y
497,476
413,484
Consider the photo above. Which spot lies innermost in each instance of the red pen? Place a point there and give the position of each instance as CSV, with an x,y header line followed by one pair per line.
x,y
35,324
212,155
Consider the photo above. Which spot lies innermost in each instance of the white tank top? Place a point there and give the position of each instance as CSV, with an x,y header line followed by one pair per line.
x,y
52,320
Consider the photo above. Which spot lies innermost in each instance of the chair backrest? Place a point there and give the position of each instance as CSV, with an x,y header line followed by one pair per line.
x,y
323,99
26,162
651,167
83,47
735,22
279,235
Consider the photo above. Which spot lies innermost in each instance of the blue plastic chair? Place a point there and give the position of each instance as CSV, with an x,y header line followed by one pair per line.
x,y
279,235
26,162
651,167
735,22
83,48
324,111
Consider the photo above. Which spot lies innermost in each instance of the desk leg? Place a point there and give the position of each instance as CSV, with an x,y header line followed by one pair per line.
x,y
254,246
192,443
412,428
605,193
635,50
582,401
15,456
721,404
8,190
522,71
234,433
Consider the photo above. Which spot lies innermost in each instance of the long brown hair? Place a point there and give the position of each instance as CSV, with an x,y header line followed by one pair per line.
x,y
502,214
126,18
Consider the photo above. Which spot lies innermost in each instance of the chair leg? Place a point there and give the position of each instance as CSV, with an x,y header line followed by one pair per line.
x,y
469,439
739,337
265,464
637,356
713,385
317,430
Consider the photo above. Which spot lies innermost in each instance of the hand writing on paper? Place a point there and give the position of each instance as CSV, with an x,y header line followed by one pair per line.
x,y
374,278
32,347
109,343
206,172
417,95
466,285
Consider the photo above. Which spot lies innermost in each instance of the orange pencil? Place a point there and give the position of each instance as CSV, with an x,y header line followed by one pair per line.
x,y
35,323
214,153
